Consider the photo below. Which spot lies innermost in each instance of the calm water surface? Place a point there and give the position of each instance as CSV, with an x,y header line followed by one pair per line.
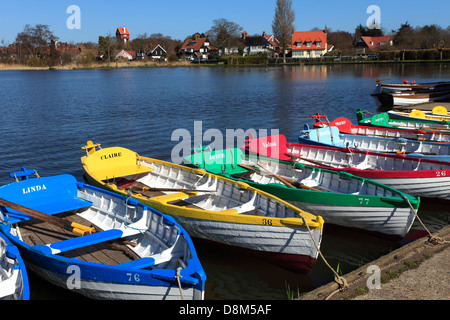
x,y
47,116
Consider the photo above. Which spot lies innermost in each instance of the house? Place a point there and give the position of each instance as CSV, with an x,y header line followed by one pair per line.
x,y
123,34
309,44
256,44
368,44
273,41
157,53
124,55
197,48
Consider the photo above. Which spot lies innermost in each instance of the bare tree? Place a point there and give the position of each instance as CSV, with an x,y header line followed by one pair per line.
x,y
224,33
283,24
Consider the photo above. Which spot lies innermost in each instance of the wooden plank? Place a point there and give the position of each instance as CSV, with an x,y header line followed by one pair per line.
x,y
39,232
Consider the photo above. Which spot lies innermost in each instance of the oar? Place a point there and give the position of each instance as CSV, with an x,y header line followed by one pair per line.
x,y
70,226
311,161
288,182
171,189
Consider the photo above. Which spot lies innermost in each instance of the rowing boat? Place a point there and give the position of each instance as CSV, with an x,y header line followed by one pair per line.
x,y
211,207
383,120
345,126
13,274
97,243
438,113
386,87
340,198
331,137
414,176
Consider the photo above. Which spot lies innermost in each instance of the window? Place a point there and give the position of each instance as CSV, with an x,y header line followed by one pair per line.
x,y
318,43
298,44
308,44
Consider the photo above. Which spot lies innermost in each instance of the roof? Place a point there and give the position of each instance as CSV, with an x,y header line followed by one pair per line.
x,y
375,42
123,31
256,41
318,40
194,44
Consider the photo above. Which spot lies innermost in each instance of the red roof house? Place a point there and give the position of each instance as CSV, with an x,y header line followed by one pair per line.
x,y
123,34
193,48
309,44
372,43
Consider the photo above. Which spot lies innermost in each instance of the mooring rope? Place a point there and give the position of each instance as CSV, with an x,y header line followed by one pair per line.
x,y
341,281
178,276
431,238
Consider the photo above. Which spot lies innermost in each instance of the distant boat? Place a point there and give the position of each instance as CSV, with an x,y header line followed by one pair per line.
x,y
340,198
385,87
14,283
382,120
408,93
331,137
97,243
414,176
345,126
211,207
438,114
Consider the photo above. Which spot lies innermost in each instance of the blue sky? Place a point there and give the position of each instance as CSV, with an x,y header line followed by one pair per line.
x,y
181,18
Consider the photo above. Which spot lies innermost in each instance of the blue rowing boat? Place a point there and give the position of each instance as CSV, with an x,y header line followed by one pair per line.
x,y
97,243
13,274
332,137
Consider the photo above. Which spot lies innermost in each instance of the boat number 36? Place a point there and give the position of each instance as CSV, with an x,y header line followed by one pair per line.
x,y
363,201
267,222
441,173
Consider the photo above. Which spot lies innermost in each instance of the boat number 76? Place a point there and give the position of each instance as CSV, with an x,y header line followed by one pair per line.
x,y
134,277
363,201
441,173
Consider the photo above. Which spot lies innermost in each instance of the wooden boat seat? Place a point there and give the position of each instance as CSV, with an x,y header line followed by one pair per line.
x,y
146,262
84,241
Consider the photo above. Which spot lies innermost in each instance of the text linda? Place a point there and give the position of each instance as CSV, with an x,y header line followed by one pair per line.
x,y
34,189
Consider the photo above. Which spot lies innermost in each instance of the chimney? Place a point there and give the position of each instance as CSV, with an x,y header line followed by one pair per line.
x,y
196,36
244,35
326,29
264,33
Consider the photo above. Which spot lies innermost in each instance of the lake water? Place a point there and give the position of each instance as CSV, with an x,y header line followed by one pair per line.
x,y
47,116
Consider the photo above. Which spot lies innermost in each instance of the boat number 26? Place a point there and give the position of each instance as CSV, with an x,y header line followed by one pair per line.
x,y
363,201
441,173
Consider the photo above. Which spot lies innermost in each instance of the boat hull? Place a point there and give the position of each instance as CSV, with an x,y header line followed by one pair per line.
x,y
389,221
330,137
105,283
14,278
290,247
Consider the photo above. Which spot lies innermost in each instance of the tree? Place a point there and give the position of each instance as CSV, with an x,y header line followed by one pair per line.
x,y
283,24
404,36
105,47
224,33
34,41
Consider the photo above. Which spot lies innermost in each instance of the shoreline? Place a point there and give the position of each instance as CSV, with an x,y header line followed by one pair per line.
x,y
177,64
415,271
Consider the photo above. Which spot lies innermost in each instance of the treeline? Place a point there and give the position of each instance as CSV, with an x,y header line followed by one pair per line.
x,y
427,39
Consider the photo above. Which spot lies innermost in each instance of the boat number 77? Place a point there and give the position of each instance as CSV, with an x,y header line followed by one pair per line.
x,y
441,173
363,201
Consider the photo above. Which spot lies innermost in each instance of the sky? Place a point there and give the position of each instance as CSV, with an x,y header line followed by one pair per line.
x,y
180,18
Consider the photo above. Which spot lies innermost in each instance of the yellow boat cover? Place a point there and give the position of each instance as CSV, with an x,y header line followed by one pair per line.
x,y
114,162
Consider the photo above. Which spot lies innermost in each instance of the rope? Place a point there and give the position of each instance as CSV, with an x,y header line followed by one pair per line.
x,y
343,285
178,276
431,238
